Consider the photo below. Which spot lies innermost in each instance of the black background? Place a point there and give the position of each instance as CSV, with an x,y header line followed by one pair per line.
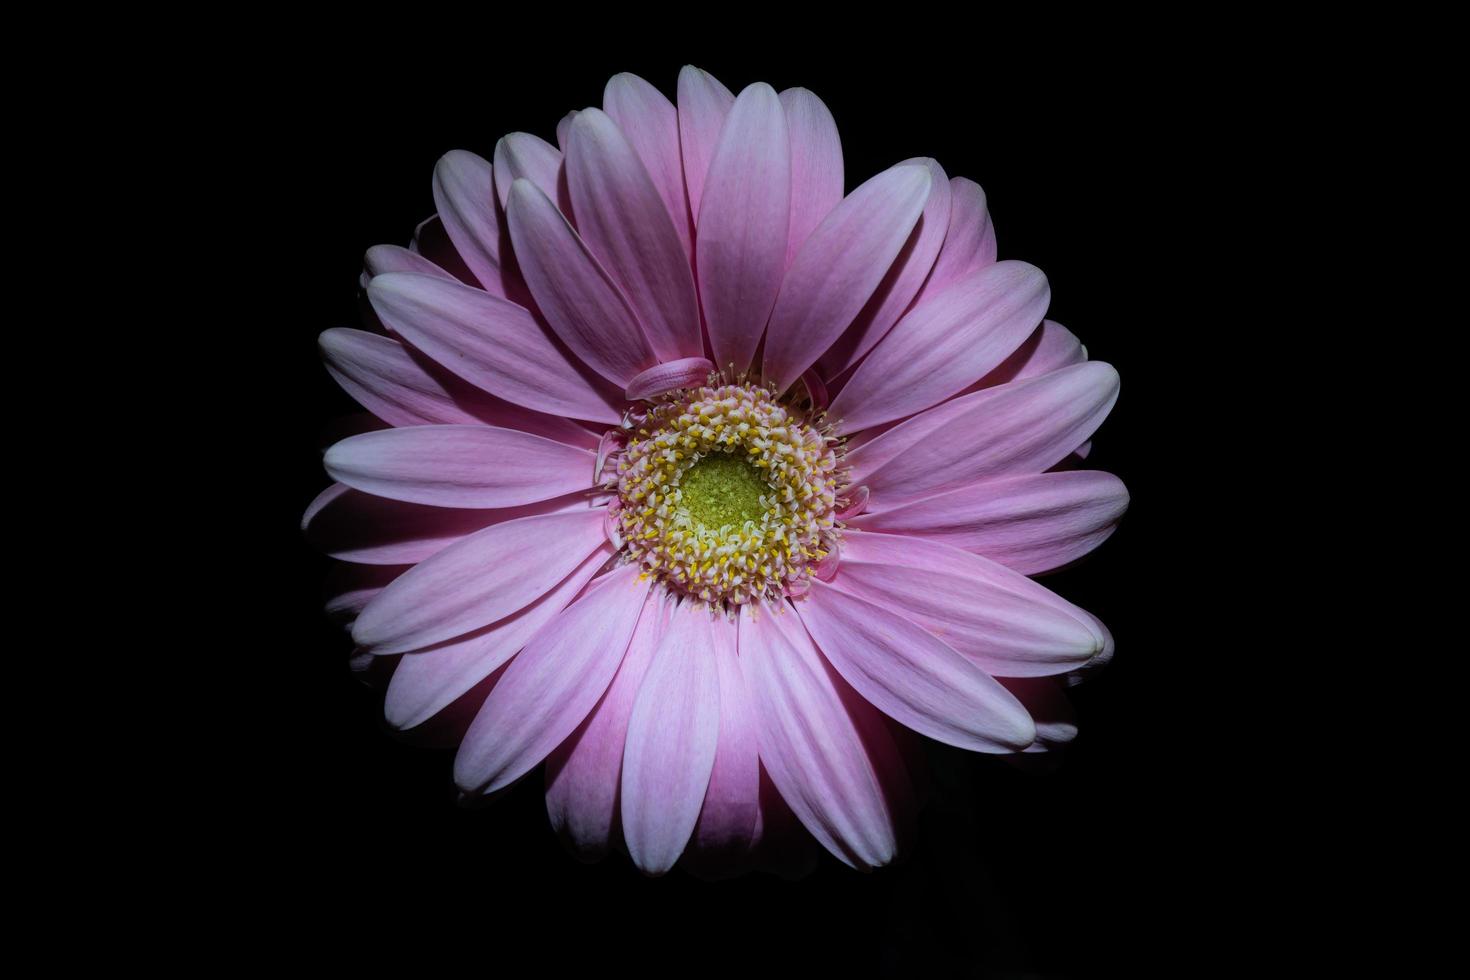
x,y
1100,865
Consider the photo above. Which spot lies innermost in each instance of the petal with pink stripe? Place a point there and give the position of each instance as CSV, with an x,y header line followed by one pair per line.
x,y
673,733
626,225
551,685
838,267
912,676
816,165
428,681
810,745
1030,522
478,580
703,105
585,771
493,344
944,345
901,280
743,218
573,290
460,465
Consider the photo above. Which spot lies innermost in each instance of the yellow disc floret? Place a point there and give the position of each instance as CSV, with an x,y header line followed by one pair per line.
x,y
727,494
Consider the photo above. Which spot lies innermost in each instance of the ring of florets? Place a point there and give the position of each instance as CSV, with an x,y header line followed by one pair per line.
x,y
727,493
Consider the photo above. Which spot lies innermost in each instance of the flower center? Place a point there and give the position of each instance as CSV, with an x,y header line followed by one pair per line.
x,y
727,493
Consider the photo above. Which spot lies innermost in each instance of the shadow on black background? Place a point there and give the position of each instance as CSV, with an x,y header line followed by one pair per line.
x,y
1083,870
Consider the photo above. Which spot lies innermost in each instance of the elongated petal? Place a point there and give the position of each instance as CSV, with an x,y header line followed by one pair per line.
x,y
585,771
1021,427
395,258
1032,522
401,388
993,616
969,244
381,376
520,155
464,194
478,580
1050,347
564,129
912,676
816,165
809,743
349,588
431,240
944,345
729,818
493,344
703,105
573,291
430,680
838,268
901,280
1056,722
672,735
551,685
460,465
741,245
359,527
650,123
626,225
921,553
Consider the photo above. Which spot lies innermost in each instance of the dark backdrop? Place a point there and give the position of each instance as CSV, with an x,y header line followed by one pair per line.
x,y
1096,866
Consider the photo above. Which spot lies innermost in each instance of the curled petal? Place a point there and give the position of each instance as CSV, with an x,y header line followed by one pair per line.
x,y
683,373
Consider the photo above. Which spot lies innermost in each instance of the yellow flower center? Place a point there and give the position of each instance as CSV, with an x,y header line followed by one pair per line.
x,y
727,494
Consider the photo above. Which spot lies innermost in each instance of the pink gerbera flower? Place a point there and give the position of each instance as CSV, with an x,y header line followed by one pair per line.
x,y
709,486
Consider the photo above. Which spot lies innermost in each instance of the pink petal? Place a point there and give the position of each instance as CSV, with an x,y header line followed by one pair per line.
x,y
902,279
672,735
910,552
944,345
816,165
564,129
359,527
381,375
1056,722
650,123
464,194
684,373
969,244
585,771
627,227
523,155
839,267
460,465
428,681
1031,522
741,246
478,580
551,685
810,744
1021,427
395,258
349,588
729,818
401,389
1003,622
1050,347
573,291
703,105
912,676
493,344
431,240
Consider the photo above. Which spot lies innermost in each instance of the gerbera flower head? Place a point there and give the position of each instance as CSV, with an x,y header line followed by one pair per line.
x,y
710,486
